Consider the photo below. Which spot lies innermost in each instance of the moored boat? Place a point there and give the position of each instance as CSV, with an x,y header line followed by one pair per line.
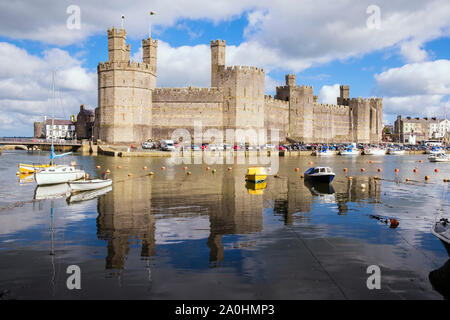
x,y
256,174
434,150
87,185
325,151
320,174
31,168
375,151
441,157
350,151
396,152
441,230
58,174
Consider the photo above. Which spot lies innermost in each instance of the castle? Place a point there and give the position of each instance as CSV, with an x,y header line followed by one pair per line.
x,y
131,109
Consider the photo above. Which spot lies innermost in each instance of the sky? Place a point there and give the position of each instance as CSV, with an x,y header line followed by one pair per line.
x,y
398,50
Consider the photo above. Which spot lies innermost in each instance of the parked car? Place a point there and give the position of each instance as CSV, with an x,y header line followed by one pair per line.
x,y
281,148
167,145
148,144
195,147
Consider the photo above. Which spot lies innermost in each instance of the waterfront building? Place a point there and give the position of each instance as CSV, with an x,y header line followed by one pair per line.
x,y
84,125
417,130
59,129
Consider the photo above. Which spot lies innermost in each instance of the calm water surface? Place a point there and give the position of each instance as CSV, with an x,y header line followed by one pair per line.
x,y
206,236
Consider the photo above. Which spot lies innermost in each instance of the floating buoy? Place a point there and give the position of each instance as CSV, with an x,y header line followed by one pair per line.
x,y
208,168
310,162
436,170
396,170
150,173
185,168
446,180
362,169
350,178
427,177
302,176
379,170
98,167
393,223
188,173
415,170
296,169
407,179
108,171
213,171
230,168
371,161
118,167
345,169
420,161
144,167
163,168
375,177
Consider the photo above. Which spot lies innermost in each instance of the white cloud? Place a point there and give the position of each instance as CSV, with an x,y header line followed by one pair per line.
x,y
328,94
26,82
420,89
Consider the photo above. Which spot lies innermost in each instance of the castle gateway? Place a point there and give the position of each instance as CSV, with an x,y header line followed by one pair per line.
x,y
131,109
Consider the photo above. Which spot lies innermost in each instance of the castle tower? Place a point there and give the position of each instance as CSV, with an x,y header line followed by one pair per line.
x,y
290,80
149,55
124,94
117,48
344,95
217,60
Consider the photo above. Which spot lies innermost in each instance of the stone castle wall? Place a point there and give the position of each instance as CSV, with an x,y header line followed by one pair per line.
x,y
132,110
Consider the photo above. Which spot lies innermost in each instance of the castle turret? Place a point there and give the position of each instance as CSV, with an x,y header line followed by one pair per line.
x,y
125,93
290,80
344,95
118,50
149,52
217,60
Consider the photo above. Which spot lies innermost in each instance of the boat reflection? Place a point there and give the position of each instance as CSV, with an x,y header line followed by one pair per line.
x,y
61,190
440,280
87,195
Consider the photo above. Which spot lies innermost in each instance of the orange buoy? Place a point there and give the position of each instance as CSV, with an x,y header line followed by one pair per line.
x,y
184,168
230,168
310,162
393,223
163,168
296,169
436,170
144,167
208,168
375,177
118,167
345,169
396,170
420,161
362,169
379,170
407,179
415,170
98,167
427,177
371,161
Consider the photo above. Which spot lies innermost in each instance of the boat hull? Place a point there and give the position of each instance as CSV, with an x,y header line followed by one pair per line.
x,y
323,178
349,153
87,185
46,177
31,168
375,152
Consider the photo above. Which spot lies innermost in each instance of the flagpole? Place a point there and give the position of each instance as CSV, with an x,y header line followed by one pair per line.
x,y
152,13
123,17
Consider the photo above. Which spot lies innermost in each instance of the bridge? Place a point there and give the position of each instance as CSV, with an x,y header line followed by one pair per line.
x,y
30,143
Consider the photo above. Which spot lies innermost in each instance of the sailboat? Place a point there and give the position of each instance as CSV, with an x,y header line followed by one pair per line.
x,y
54,174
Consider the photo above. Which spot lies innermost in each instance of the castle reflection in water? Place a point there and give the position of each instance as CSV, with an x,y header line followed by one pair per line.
x,y
128,214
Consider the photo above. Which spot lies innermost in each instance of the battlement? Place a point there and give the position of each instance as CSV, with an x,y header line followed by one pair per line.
x,y
150,42
330,107
244,69
116,32
270,99
124,65
218,43
361,100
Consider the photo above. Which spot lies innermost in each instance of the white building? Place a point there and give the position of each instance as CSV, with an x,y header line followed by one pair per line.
x,y
61,129
443,128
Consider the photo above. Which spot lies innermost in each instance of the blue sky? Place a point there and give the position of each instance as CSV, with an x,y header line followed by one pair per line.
x,y
402,55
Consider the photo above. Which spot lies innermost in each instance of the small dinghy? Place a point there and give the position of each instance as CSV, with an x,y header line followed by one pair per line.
x,y
441,230
320,174
86,185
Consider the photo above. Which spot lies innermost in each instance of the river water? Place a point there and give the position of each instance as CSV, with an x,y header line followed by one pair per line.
x,y
209,236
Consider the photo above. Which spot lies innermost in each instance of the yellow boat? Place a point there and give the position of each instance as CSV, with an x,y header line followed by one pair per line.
x,y
31,168
256,174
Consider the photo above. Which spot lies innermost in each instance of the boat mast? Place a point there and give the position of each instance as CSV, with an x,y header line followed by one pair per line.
x,y
53,116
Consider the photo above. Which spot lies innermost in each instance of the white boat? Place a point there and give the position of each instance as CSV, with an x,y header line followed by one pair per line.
x,y
396,151
58,174
320,174
434,150
441,230
441,157
88,195
350,151
375,151
324,151
52,191
86,185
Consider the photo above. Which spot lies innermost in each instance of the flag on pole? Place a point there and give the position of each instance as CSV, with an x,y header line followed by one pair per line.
x,y
152,13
